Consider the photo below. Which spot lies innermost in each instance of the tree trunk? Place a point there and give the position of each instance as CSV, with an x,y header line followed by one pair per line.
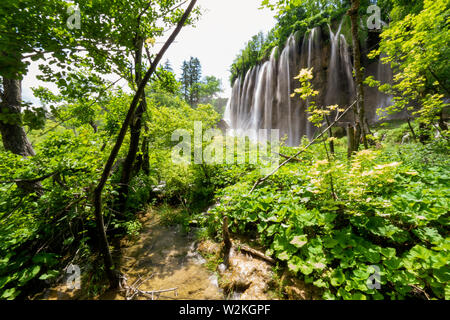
x,y
113,276
350,140
143,160
13,134
127,168
412,129
135,134
227,244
330,134
441,121
353,13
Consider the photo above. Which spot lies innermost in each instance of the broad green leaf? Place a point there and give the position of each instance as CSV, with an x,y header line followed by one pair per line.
x,y
337,278
299,241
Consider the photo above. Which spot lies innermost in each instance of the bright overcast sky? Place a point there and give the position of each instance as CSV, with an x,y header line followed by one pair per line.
x,y
223,30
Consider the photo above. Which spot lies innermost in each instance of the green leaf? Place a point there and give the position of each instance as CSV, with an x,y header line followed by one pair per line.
x,y
321,283
328,296
294,264
306,268
49,275
337,278
388,252
442,274
429,235
284,256
372,256
28,274
420,252
299,241
330,243
358,296
393,263
45,258
10,294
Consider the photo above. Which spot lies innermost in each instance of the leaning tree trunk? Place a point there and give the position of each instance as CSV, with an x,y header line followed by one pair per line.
x,y
13,134
143,160
353,13
127,169
135,135
112,274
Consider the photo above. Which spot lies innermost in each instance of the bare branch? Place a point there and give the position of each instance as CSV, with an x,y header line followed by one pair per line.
x,y
259,181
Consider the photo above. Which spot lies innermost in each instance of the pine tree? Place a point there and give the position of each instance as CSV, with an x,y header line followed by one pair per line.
x,y
168,66
191,80
185,80
195,77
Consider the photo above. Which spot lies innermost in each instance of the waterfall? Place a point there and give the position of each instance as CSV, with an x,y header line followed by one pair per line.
x,y
333,68
384,75
262,98
313,60
286,72
340,83
347,66
271,115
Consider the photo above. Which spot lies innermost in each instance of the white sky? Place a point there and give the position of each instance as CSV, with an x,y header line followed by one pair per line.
x,y
219,35
223,30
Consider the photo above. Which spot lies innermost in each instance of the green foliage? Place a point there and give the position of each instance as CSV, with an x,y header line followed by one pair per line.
x,y
190,80
29,28
34,231
165,81
391,212
293,17
417,49
387,207
196,90
209,89
257,49
170,216
183,183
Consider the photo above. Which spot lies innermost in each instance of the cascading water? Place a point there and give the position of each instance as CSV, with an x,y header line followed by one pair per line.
x,y
262,99
286,70
385,76
340,83
333,69
312,53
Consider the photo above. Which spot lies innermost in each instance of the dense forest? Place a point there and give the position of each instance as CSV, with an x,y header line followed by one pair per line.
x,y
354,212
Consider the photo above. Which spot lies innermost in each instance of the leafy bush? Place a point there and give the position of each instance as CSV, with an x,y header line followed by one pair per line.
x,y
35,231
391,212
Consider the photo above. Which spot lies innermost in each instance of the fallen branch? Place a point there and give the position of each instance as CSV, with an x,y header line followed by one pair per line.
x,y
133,291
158,292
228,244
31,180
257,253
261,180
419,290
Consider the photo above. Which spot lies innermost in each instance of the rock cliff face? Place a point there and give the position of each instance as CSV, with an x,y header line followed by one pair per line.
x,y
261,99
